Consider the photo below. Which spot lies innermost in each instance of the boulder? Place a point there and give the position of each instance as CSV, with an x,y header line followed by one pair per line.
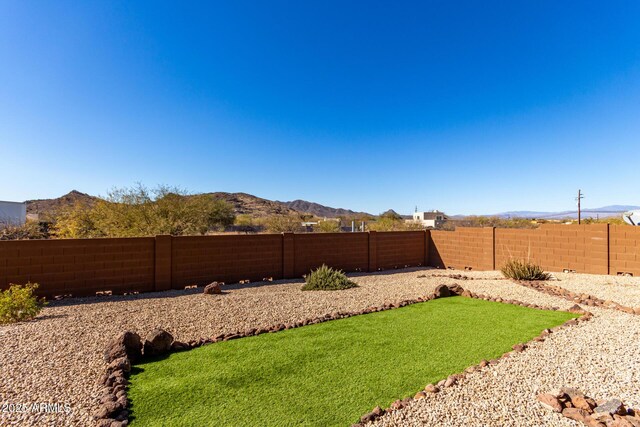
x,y
442,291
158,342
127,344
179,346
212,288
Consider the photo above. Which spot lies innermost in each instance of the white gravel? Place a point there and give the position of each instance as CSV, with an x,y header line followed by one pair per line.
x,y
58,357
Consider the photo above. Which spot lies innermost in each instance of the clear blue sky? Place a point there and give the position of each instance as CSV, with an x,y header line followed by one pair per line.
x,y
467,107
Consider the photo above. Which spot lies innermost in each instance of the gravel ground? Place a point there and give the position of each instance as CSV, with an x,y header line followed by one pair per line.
x,y
57,358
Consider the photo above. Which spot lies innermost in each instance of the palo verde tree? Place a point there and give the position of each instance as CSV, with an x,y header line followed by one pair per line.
x,y
140,211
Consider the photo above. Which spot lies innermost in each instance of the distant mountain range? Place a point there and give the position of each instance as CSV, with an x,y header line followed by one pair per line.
x,y
243,204
603,212
254,206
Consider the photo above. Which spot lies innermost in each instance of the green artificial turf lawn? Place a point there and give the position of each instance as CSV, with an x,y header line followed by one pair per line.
x,y
328,374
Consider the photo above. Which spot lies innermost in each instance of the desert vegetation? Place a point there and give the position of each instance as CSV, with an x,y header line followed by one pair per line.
x,y
19,303
29,230
523,270
491,221
140,211
325,278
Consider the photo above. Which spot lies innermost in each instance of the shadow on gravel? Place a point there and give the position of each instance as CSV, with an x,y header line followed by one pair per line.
x,y
65,302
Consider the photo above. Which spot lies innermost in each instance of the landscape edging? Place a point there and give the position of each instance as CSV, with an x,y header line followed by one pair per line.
x,y
579,298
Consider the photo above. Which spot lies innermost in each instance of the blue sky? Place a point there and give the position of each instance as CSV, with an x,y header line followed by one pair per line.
x,y
467,107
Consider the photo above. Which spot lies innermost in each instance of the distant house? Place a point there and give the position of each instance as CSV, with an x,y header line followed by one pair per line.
x,y
430,219
13,213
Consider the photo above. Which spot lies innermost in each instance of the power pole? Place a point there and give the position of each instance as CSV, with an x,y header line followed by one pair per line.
x,y
580,197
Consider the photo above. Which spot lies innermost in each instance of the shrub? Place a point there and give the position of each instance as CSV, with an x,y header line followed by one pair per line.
x,y
327,279
523,270
19,303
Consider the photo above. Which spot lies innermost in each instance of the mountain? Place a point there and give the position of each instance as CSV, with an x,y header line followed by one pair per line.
x,y
603,212
248,204
47,207
321,210
243,204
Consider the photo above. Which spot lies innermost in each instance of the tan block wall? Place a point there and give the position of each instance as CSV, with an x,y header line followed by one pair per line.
x,y
345,251
624,244
79,267
466,247
201,260
583,248
399,249
85,266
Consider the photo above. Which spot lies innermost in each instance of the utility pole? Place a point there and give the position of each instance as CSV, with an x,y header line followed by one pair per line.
x,y
580,197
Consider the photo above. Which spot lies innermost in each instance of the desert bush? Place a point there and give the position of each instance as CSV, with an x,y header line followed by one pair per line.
x,y
284,224
523,270
328,226
19,303
29,230
327,279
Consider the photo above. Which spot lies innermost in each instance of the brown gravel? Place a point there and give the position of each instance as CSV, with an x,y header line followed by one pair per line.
x,y
57,358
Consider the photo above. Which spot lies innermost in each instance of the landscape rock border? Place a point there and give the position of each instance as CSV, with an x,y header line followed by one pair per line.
x,y
575,405
579,298
129,348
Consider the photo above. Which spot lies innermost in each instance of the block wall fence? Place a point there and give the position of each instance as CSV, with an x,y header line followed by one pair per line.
x,y
82,267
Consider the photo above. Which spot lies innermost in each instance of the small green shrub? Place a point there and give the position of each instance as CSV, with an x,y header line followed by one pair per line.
x,y
523,270
19,303
327,279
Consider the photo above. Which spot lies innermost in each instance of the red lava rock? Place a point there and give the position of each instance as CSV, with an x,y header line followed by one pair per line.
x,y
450,381
519,348
550,402
602,417
583,402
575,309
431,388
627,310
634,420
577,414
619,421
398,404
378,411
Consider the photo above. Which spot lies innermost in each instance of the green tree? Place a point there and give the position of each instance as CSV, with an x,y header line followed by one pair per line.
x,y
284,224
139,211
328,226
